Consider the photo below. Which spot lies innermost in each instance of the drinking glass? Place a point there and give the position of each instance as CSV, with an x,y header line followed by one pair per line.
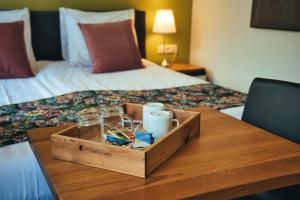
x,y
88,117
113,117
88,124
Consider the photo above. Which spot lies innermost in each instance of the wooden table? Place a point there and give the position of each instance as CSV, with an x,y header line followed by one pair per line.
x,y
192,70
230,159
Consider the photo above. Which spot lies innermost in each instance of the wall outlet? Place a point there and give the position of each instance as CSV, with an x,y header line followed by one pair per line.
x,y
169,48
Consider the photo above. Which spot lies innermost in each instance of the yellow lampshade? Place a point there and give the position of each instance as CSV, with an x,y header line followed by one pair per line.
x,y
164,22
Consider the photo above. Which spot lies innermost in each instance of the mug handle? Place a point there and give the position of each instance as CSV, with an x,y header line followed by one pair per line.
x,y
177,122
173,120
130,120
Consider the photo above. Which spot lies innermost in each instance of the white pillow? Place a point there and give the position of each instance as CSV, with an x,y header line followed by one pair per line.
x,y
21,15
74,48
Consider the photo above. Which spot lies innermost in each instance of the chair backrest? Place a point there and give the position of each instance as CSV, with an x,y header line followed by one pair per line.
x,y
274,106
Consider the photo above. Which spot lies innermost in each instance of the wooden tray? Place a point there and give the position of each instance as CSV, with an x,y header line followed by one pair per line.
x,y
83,146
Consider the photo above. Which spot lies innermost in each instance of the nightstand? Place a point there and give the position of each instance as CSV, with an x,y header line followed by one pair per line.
x,y
192,70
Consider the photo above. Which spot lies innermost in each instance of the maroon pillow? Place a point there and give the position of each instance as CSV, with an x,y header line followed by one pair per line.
x,y
14,62
112,46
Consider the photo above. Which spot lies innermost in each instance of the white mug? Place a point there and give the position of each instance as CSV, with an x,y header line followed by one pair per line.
x,y
148,108
160,123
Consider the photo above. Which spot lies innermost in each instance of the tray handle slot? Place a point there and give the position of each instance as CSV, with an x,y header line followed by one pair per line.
x,y
96,150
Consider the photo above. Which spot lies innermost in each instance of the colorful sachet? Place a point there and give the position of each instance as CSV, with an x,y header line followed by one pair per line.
x,y
143,140
117,141
122,133
123,136
146,137
120,136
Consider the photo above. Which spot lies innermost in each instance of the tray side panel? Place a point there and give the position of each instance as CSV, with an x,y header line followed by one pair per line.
x,y
98,155
168,145
183,115
134,110
41,134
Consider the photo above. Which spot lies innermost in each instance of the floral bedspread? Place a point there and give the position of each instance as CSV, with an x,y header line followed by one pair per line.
x,y
17,119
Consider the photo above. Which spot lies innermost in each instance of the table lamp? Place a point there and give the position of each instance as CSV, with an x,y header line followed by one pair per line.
x,y
164,23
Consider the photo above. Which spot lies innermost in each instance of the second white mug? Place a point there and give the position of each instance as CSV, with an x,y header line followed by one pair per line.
x,y
148,108
160,123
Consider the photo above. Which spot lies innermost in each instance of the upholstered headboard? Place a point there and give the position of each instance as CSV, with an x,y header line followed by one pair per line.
x,y
46,34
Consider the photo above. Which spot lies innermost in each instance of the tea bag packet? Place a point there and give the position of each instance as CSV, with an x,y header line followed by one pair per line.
x,y
143,140
146,137
139,144
120,136
117,141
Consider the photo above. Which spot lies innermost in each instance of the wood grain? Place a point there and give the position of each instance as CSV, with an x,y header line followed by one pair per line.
x,y
40,134
230,159
185,67
170,143
98,154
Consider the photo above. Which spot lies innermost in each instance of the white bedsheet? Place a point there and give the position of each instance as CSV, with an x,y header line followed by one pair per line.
x,y
57,78
20,176
234,112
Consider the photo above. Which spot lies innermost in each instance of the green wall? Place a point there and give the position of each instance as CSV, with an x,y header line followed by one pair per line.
x,y
182,10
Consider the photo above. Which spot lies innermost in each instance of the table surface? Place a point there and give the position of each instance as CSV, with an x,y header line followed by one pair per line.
x,y
230,159
185,67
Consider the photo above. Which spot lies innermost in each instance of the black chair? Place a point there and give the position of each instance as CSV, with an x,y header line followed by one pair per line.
x,y
275,106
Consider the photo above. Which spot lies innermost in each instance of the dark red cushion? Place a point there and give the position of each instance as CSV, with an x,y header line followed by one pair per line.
x,y
14,62
112,46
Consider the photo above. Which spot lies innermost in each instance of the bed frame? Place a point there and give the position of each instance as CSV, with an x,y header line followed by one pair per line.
x,y
46,34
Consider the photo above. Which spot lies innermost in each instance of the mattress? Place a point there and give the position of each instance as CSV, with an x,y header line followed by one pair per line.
x,y
21,178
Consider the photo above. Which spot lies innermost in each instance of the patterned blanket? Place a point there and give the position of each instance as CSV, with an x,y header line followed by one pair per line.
x,y
17,119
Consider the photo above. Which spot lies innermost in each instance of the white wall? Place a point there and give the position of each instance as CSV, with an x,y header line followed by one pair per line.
x,y
234,53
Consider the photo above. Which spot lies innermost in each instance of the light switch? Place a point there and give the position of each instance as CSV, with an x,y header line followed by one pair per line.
x,y
168,49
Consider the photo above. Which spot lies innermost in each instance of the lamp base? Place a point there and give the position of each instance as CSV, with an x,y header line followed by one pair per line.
x,y
164,63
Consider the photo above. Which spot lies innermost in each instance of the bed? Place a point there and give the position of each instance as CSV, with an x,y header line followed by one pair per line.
x,y
21,177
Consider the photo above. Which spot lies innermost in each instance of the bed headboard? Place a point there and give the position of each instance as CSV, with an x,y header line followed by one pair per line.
x,y
46,34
